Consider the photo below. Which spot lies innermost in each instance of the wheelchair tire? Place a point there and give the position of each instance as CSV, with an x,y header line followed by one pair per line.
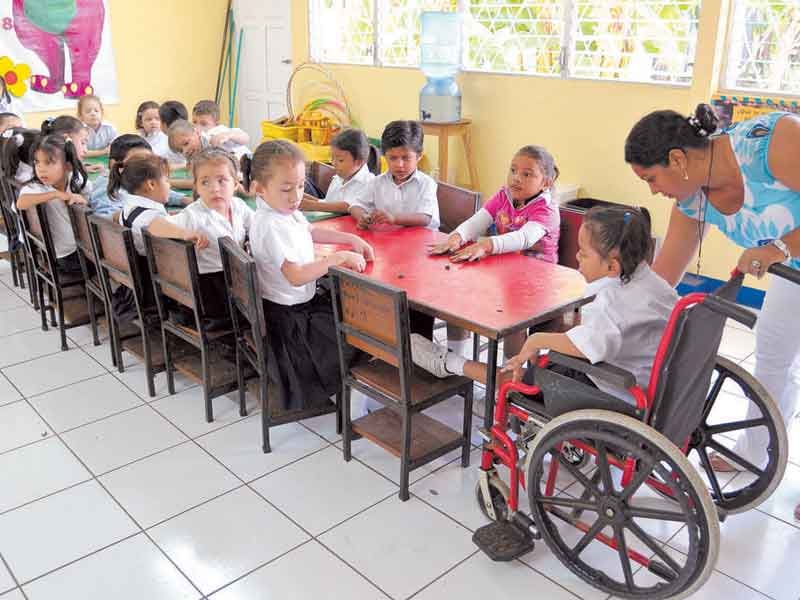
x,y
733,498
499,492
617,512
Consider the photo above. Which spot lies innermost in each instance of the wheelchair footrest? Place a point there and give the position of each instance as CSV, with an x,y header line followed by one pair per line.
x,y
503,541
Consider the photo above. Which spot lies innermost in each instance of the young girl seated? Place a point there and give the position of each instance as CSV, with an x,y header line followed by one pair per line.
x,y
146,177
90,111
304,360
16,153
58,180
148,125
350,151
622,326
68,126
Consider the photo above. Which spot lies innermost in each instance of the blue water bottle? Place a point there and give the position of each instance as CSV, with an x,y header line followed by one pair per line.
x,y
440,98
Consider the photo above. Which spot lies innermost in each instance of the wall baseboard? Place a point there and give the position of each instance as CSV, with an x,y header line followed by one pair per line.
x,y
700,283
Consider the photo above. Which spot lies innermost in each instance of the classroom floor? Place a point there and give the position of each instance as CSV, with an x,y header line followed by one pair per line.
x,y
106,493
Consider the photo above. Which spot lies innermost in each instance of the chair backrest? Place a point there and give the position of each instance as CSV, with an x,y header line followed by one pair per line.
x,y
173,270
40,242
321,174
456,205
114,244
243,293
10,221
78,216
571,220
684,365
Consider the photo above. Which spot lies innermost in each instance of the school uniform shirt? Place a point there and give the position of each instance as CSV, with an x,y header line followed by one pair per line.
x,y
159,142
102,137
202,219
104,205
24,173
58,218
275,238
417,194
340,190
624,324
137,222
238,150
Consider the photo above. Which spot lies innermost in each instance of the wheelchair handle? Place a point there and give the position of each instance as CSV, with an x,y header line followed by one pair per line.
x,y
784,272
731,310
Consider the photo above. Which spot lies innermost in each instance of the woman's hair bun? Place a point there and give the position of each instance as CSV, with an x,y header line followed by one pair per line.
x,y
705,121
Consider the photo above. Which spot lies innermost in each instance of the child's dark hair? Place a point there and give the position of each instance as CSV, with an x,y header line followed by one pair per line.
x,y
118,152
402,133
62,125
171,111
16,149
207,107
140,169
543,158
622,231
264,159
144,106
655,135
354,142
56,146
4,95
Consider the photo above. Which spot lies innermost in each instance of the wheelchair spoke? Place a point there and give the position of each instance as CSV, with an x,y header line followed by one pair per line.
x,y
728,453
603,467
624,559
577,474
567,502
710,473
654,546
654,513
637,481
712,396
588,537
735,426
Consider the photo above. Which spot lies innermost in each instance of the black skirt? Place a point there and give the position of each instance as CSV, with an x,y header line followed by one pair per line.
x,y
303,356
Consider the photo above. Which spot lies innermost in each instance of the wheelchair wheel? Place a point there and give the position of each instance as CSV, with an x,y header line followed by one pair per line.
x,y
724,419
606,548
498,490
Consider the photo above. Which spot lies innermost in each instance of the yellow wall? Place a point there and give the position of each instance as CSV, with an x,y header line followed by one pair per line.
x,y
583,123
164,50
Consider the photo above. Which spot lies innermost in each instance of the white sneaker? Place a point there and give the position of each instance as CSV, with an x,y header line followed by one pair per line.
x,y
431,357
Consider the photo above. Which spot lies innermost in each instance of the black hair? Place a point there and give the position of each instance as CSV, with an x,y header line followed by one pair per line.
x,y
264,159
8,115
655,135
140,169
402,133
5,96
206,107
140,112
622,231
62,125
171,111
16,147
55,145
543,158
353,141
118,152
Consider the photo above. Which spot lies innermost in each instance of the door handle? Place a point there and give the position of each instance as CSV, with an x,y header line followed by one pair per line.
x,y
287,61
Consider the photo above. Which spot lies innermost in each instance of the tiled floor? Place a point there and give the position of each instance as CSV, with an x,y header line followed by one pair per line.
x,y
106,493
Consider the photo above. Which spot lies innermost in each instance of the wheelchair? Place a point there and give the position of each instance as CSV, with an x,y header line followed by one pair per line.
x,y
624,495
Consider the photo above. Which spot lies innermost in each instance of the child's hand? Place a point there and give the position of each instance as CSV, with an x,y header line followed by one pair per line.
x,y
363,248
71,198
200,240
351,260
219,139
453,243
363,221
381,216
93,168
473,252
514,365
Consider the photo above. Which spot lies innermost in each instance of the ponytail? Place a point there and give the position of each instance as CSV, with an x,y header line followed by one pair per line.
x,y
57,147
115,179
78,178
620,230
16,147
246,165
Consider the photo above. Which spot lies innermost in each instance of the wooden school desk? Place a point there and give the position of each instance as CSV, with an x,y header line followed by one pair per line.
x,y
494,297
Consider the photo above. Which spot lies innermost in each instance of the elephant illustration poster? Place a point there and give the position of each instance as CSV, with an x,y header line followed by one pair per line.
x,y
54,51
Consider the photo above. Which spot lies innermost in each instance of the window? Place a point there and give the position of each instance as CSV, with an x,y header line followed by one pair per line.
x,y
627,40
764,47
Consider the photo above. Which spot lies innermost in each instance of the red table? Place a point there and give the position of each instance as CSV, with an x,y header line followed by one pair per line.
x,y
494,297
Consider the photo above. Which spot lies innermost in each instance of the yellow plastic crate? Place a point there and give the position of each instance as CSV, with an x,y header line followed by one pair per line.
x,y
315,152
279,129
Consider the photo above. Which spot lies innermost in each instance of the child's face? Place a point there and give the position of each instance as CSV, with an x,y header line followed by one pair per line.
x,y
284,189
160,191
203,122
151,122
91,114
344,164
189,143
215,183
80,139
50,170
590,263
402,162
10,123
525,178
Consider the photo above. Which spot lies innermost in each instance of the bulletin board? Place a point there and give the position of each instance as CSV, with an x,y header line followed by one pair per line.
x,y
732,109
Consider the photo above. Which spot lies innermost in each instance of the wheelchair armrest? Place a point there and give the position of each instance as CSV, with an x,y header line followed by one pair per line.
x,y
608,373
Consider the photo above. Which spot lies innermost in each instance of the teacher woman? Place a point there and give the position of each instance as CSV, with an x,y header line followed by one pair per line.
x,y
746,182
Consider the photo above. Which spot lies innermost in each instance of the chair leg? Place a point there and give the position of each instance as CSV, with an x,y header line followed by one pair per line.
x,y
92,316
405,454
148,362
19,258
50,299
168,362
263,387
339,403
241,382
32,283
207,386
62,329
467,431
42,307
14,272
347,425
476,347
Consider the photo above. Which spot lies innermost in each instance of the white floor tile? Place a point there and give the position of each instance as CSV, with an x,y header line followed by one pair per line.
x,y
222,540
451,413
51,372
479,578
136,379
161,486
82,336
102,354
324,425
13,595
122,439
44,535
10,300
332,579
19,319
6,581
238,446
187,411
8,392
36,470
786,497
348,488
84,402
131,570
400,546
19,425
737,343
27,345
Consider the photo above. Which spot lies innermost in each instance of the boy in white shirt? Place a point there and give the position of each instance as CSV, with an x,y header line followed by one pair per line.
x,y
188,140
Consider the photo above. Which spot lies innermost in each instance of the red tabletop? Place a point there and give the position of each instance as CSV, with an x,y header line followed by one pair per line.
x,y
494,297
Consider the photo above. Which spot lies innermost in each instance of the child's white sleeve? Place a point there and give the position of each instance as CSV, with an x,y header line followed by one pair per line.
x,y
598,337
521,239
474,227
366,198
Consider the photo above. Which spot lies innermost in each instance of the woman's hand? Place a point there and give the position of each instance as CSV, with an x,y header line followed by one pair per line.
x,y
350,260
361,247
756,261
473,252
453,243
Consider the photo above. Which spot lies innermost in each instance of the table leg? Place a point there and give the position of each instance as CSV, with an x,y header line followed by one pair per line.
x,y
491,371
466,138
444,140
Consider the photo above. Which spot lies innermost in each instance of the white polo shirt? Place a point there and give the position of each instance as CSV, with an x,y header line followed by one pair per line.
x,y
624,324
238,150
58,218
102,137
199,217
417,194
274,239
347,191
152,211
159,142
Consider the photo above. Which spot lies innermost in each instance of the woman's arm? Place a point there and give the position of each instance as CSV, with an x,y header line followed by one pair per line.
x,y
680,245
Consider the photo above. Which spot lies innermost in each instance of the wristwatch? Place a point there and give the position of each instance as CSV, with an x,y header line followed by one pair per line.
x,y
781,245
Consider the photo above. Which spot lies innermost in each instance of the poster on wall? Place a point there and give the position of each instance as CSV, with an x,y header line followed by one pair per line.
x,y
733,109
53,52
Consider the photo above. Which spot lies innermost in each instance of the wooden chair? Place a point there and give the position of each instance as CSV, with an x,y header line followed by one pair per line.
x,y
249,326
118,265
174,272
78,216
321,174
65,291
456,205
18,254
374,318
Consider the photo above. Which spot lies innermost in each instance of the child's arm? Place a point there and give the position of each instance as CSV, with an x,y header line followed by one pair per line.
x,y
326,236
469,230
26,201
513,241
161,227
298,275
94,153
237,136
404,219
309,203
559,342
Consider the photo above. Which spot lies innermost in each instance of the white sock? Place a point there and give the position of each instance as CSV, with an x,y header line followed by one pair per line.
x,y
460,347
454,363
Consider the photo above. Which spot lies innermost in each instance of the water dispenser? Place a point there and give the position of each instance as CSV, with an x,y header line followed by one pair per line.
x,y
440,98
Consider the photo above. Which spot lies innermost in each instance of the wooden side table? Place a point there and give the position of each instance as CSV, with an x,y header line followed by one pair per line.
x,y
444,131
